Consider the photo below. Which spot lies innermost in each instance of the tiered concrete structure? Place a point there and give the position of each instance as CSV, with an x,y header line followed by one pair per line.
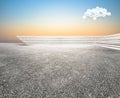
x,y
109,40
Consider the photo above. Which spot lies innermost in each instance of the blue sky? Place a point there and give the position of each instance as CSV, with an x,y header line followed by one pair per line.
x,y
12,10
40,15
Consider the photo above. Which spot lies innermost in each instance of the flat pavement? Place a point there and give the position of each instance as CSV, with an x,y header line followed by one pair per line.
x,y
59,71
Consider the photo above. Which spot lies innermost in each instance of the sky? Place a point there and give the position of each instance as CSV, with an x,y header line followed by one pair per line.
x,y
57,18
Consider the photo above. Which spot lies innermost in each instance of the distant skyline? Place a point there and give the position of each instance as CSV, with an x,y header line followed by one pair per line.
x,y
56,18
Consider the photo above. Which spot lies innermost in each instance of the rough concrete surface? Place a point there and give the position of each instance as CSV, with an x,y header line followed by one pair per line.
x,y
59,72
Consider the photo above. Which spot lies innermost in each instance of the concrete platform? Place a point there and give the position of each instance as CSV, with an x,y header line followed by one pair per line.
x,y
41,71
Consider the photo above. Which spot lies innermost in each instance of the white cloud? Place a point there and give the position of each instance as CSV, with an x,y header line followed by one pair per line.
x,y
95,13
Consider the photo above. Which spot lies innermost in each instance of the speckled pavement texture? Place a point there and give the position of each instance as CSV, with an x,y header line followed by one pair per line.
x,y
59,72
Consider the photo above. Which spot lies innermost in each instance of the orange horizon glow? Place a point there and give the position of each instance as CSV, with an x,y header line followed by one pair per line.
x,y
78,30
55,18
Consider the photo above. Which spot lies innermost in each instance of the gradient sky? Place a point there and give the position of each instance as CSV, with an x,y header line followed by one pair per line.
x,y
55,17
